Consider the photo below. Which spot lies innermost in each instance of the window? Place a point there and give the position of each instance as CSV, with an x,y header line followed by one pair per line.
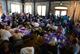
x,y
28,9
15,8
60,11
57,13
41,10
63,13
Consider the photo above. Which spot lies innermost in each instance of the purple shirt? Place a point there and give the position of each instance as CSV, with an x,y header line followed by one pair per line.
x,y
8,18
52,34
48,37
61,40
25,31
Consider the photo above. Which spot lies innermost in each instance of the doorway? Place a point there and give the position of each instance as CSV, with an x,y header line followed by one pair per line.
x,y
60,11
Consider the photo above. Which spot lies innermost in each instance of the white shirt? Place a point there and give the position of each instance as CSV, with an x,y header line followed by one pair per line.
x,y
35,24
5,35
27,50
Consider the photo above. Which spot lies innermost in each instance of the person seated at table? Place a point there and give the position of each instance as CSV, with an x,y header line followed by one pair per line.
x,y
22,19
14,20
16,40
60,38
3,17
46,37
42,24
28,48
9,28
24,30
53,37
77,29
64,20
78,26
49,43
5,34
17,35
60,29
61,41
35,23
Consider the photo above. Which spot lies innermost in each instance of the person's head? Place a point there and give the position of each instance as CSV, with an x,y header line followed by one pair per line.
x,y
53,30
3,14
58,33
1,26
12,32
16,31
29,42
22,14
59,28
5,44
8,27
13,14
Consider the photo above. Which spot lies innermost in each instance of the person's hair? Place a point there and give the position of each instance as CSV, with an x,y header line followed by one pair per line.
x,y
16,31
7,27
1,26
5,43
29,42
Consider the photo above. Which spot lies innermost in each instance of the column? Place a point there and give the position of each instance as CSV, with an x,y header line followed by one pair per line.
x,y
5,6
23,2
49,9
23,7
34,6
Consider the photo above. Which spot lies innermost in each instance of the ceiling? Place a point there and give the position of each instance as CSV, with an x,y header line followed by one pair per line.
x,y
59,0
40,0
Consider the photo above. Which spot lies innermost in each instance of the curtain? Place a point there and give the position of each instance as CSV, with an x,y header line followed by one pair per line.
x,y
71,9
77,12
74,9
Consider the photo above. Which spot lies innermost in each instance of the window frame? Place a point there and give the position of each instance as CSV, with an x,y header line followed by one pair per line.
x,y
30,5
16,3
42,10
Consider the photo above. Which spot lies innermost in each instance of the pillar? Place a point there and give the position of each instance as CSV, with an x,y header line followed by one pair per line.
x,y
34,6
4,6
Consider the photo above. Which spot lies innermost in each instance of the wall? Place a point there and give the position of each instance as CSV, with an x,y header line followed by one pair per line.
x,y
73,8
53,4
57,3
67,4
0,8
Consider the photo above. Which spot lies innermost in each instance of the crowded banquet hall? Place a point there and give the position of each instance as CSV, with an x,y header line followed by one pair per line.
x,y
39,26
